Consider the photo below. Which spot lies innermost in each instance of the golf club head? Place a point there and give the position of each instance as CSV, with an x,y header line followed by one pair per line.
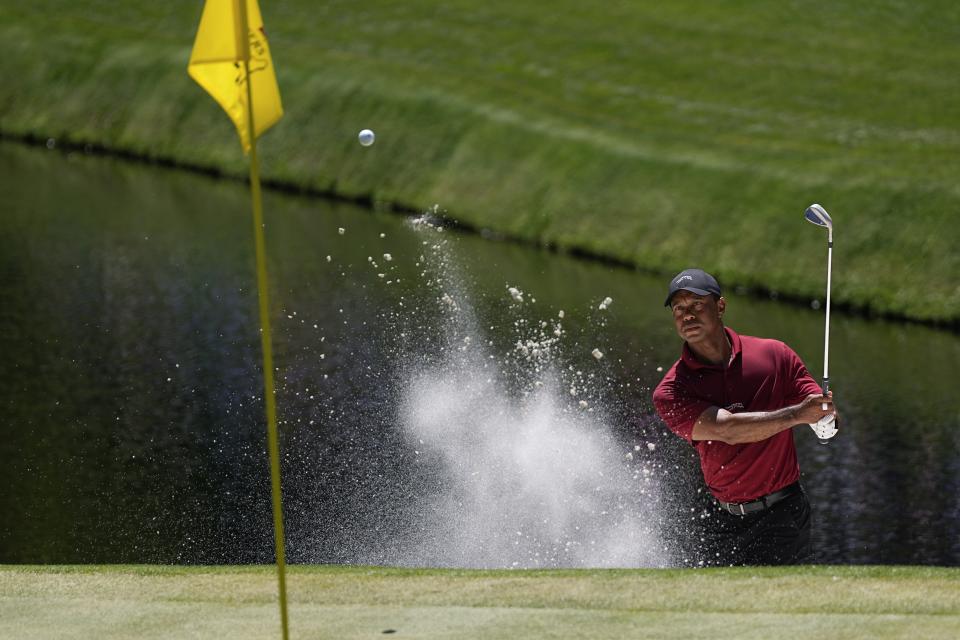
x,y
818,216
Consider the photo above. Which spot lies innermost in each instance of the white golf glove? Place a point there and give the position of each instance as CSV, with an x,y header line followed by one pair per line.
x,y
825,427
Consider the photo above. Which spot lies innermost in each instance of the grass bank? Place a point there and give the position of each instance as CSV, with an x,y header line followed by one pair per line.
x,y
363,602
657,134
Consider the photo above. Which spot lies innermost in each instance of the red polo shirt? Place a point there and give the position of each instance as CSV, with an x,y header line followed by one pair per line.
x,y
762,375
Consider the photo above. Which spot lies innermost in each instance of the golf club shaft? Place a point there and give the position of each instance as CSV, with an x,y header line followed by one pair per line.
x,y
826,331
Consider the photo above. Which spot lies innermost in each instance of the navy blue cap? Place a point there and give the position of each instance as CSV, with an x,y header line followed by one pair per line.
x,y
697,281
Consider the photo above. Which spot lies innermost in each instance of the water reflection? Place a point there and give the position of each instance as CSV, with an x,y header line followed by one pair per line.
x,y
133,428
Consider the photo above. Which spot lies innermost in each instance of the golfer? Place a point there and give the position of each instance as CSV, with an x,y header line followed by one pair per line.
x,y
735,399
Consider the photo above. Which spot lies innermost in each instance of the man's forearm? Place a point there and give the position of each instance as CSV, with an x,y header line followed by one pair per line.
x,y
739,428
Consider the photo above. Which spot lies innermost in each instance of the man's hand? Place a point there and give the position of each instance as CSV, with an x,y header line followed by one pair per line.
x,y
811,410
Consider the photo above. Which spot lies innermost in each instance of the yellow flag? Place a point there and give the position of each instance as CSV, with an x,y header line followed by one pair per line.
x,y
217,64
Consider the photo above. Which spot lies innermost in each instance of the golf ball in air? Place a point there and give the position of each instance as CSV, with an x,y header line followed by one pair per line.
x,y
366,137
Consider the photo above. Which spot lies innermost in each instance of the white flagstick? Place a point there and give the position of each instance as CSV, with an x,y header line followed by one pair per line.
x,y
825,428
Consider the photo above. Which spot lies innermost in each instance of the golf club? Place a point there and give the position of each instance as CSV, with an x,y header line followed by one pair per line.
x,y
825,428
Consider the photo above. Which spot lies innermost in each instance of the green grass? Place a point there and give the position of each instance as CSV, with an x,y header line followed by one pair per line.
x,y
660,134
362,602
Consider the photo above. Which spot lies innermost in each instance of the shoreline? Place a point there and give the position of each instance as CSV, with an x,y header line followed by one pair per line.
x,y
367,201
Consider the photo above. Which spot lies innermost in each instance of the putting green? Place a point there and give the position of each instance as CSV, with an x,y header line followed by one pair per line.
x,y
367,602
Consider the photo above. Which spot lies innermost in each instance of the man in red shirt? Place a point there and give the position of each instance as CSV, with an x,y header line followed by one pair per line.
x,y
735,399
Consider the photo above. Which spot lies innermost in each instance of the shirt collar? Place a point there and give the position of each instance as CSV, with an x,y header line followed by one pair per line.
x,y
692,362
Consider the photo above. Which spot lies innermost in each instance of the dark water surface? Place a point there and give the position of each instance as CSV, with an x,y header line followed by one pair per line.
x,y
132,426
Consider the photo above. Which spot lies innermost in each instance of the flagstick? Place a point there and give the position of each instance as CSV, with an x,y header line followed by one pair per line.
x,y
265,340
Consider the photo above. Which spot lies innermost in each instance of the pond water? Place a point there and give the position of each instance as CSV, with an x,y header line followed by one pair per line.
x,y
429,414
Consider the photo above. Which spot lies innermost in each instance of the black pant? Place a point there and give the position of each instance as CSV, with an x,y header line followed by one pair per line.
x,y
778,535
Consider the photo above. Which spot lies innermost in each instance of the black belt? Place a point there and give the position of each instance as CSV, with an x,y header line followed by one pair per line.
x,y
762,503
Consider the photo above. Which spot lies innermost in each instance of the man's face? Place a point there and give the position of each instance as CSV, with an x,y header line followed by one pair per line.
x,y
697,317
